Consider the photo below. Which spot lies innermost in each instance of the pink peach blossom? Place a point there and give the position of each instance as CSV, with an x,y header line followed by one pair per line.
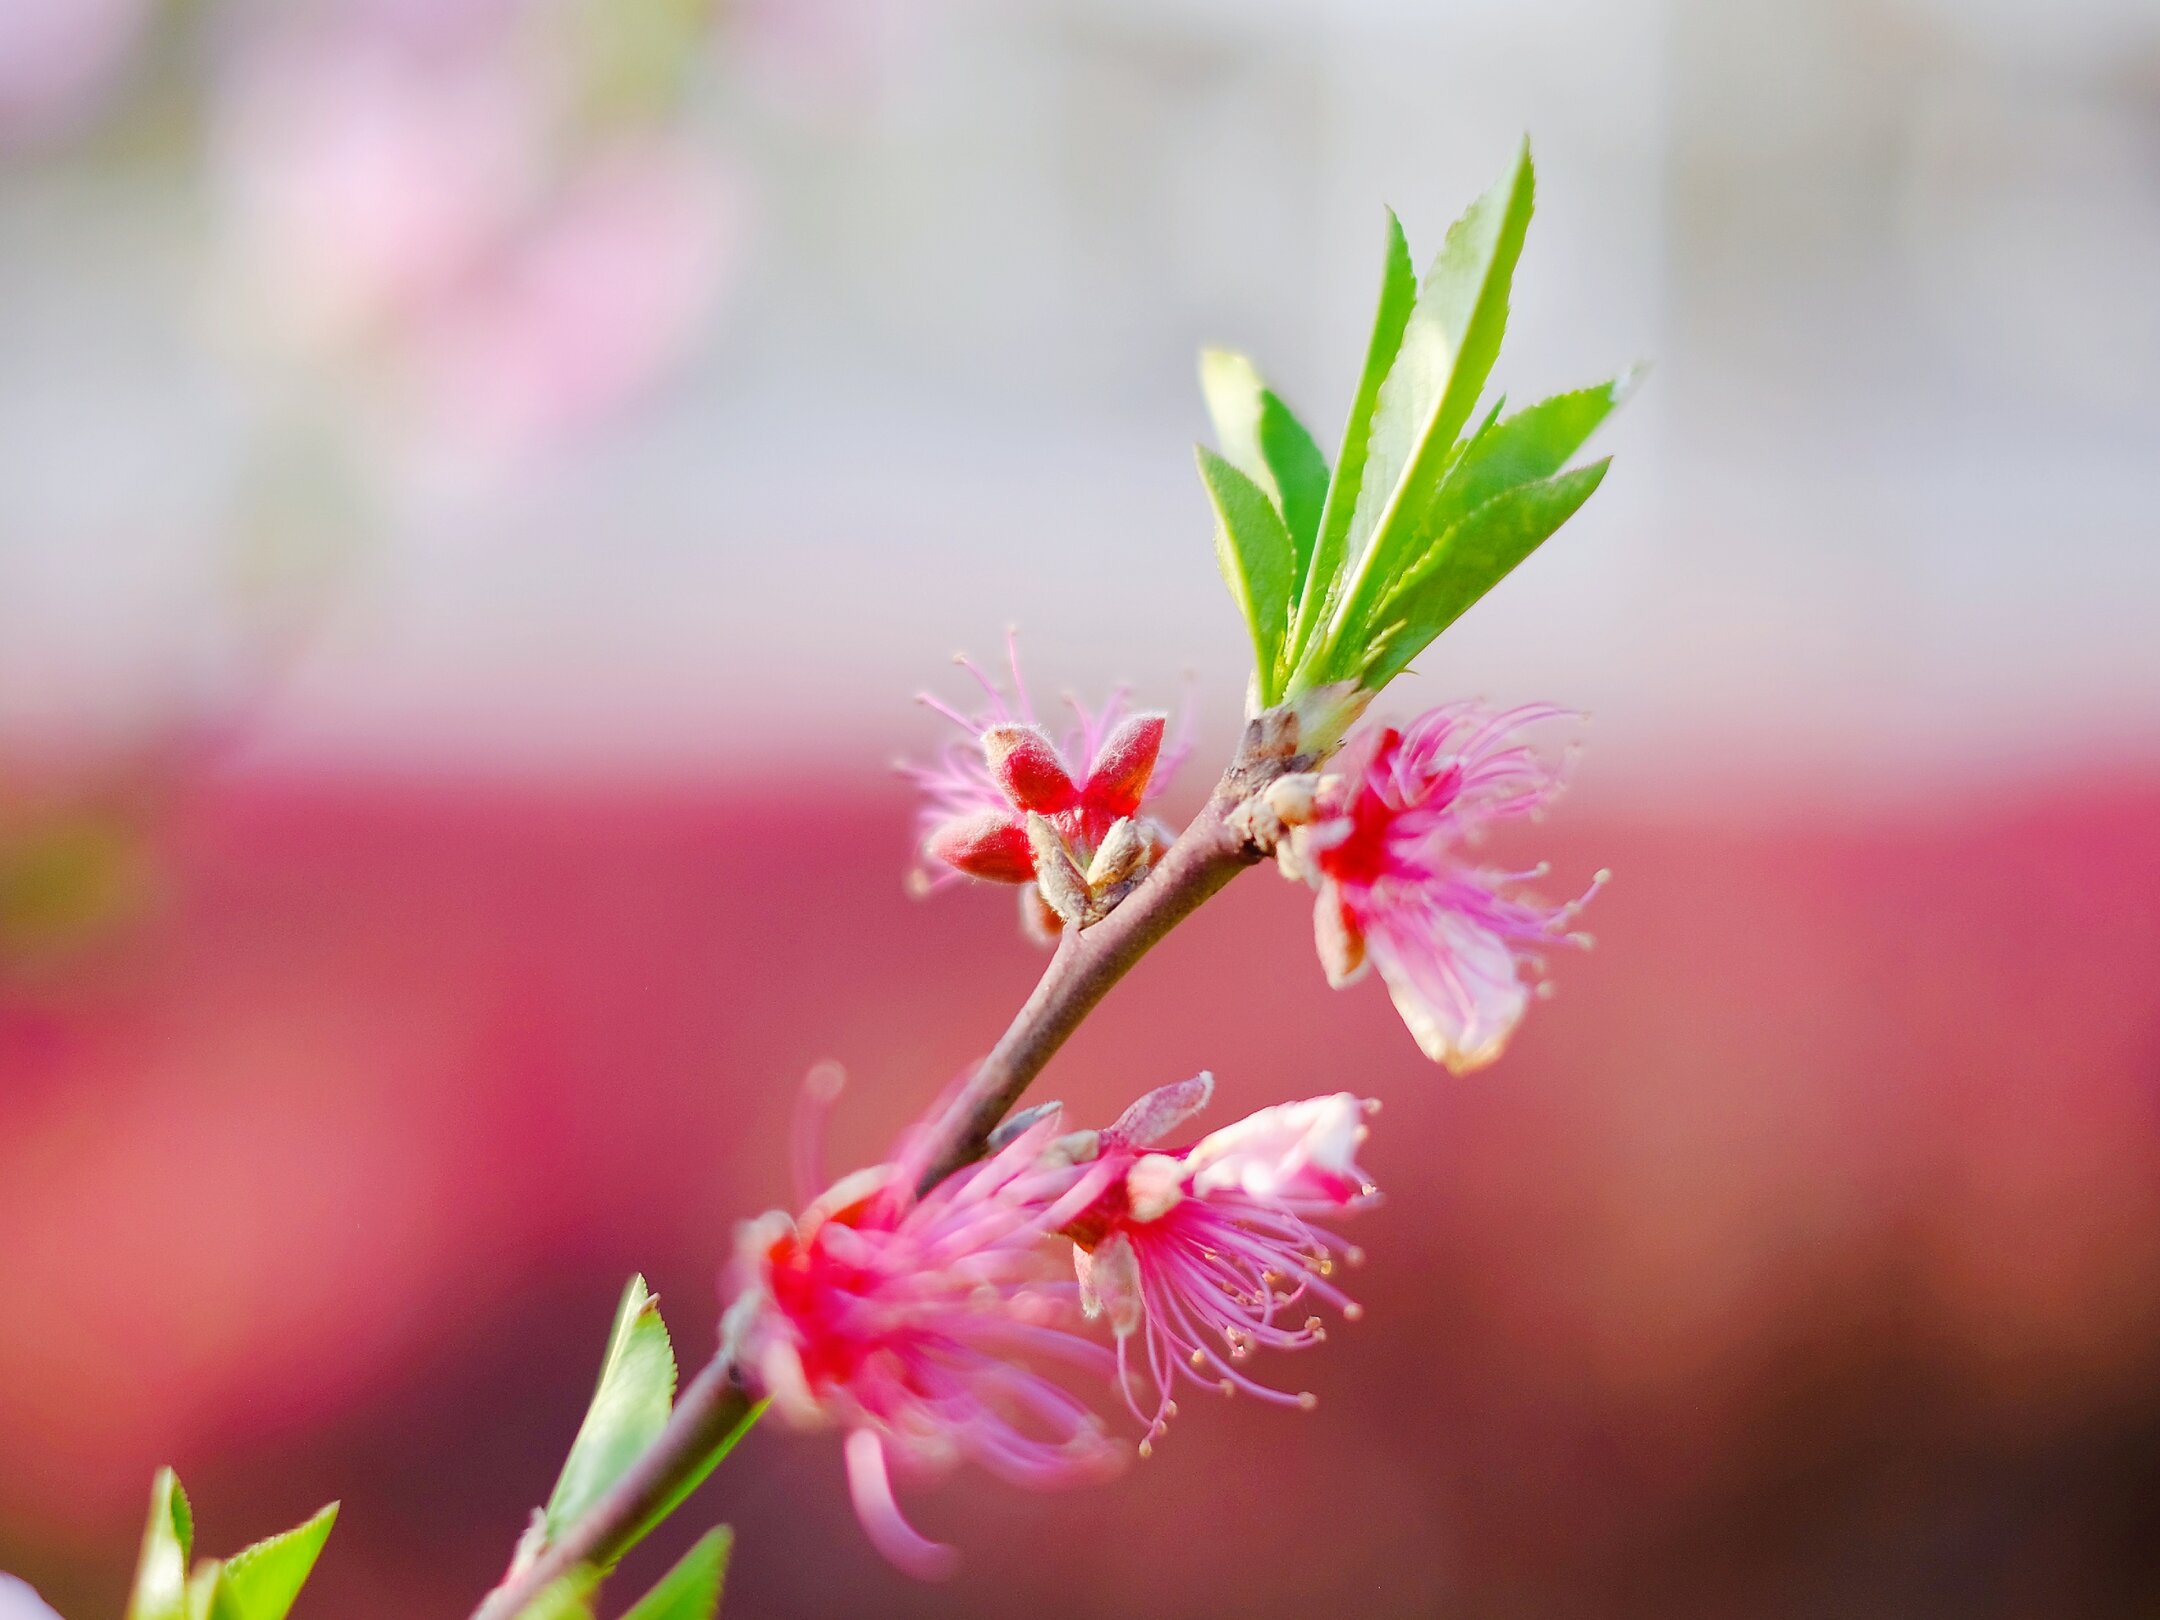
x,y
1387,846
916,1324
1203,1254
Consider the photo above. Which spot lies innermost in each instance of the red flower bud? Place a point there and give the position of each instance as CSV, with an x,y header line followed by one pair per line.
x,y
1119,777
986,844
981,794
1025,765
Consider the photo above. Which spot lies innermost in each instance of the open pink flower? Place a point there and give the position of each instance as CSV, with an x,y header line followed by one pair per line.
x,y
916,1323
1207,1254
979,794
1386,845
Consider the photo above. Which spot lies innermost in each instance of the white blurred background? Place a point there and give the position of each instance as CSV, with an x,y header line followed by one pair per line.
x,y
1886,505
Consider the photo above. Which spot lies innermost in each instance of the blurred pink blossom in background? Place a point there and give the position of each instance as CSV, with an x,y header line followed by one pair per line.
x,y
433,207
59,60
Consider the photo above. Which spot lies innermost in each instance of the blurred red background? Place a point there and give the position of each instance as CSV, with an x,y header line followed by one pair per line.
x,y
1803,1257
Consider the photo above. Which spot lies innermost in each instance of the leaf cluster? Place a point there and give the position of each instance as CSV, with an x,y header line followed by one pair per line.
x,y
257,1583
1348,575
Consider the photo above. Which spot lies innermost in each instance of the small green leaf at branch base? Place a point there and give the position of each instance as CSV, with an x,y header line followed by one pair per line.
x,y
629,1408
691,1590
208,1597
257,1584
698,1475
263,1580
568,1597
161,1573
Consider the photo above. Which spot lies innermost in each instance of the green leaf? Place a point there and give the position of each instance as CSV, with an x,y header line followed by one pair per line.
x,y
629,1408
1447,353
1301,479
568,1597
698,1475
208,1597
1231,385
263,1580
1523,448
1253,550
161,1574
1467,562
1264,440
1398,295
691,1590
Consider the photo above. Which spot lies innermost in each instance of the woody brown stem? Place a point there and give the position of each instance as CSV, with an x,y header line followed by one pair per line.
x,y
1088,961
712,1407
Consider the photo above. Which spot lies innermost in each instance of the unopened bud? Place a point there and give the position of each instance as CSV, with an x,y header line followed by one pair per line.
x,y
1159,838
985,844
1118,778
1061,883
1037,921
1026,766
1124,851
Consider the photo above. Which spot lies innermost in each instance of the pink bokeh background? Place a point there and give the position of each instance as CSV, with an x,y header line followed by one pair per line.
x,y
1803,1254
479,484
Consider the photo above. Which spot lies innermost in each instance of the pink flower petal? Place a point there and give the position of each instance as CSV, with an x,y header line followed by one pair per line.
x,y
1297,1151
1457,985
871,1488
1389,853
